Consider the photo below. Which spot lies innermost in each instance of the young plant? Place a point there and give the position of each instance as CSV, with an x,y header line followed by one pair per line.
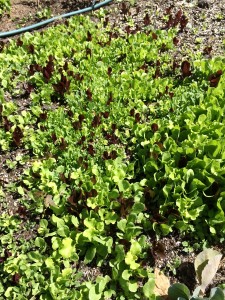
x,y
5,6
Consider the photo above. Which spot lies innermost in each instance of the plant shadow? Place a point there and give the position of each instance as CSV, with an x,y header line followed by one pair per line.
x,y
186,274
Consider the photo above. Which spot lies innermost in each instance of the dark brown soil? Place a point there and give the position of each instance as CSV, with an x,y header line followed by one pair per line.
x,y
28,12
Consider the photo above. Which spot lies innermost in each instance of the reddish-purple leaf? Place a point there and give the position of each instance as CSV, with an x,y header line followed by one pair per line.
x,y
110,98
207,50
85,165
78,77
170,22
54,137
89,36
30,49
171,94
70,113
105,155
75,197
154,36
88,51
7,253
105,114
63,178
113,154
125,205
50,58
65,67
66,22
113,35
163,47
134,31
2,259
63,144
177,17
137,117
6,123
113,126
124,8
128,29
168,10
109,72
19,43
183,23
34,68
70,73
154,127
89,94
28,88
186,68
83,139
22,211
47,71
17,136
157,73
62,86
96,121
16,278
215,78
91,150
81,118
2,45
76,125
106,21
175,41
93,193
147,20
132,111
31,70
144,67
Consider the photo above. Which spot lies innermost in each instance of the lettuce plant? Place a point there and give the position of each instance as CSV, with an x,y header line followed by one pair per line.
x,y
5,6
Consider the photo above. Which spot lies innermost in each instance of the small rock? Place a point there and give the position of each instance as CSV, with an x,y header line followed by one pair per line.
x,y
203,3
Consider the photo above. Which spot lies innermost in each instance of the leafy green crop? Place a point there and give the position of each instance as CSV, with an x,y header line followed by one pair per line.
x,y
122,144
5,6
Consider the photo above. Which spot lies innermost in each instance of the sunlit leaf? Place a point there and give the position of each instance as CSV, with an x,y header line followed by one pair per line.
x,y
66,249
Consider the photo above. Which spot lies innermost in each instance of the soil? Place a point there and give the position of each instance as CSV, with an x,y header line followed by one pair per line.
x,y
204,33
26,12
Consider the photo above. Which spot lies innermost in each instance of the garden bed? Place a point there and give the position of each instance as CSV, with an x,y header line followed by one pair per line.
x,y
139,92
